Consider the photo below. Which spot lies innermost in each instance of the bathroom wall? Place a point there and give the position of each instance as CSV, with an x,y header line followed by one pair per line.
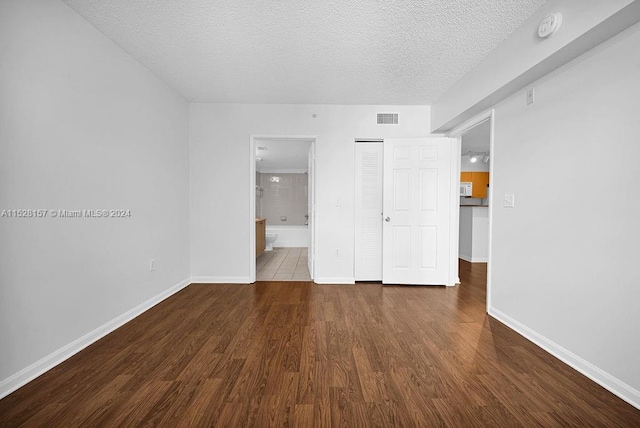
x,y
284,198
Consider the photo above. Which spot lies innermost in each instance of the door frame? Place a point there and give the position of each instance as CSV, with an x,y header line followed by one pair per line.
x,y
457,133
252,200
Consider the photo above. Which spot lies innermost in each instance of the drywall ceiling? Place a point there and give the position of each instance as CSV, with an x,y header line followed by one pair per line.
x,y
282,155
308,51
477,139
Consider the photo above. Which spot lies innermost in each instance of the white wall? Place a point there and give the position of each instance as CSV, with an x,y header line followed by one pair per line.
x,y
565,259
474,234
83,125
480,244
466,233
220,165
524,57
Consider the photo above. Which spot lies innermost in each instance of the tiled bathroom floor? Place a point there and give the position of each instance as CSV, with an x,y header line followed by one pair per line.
x,y
283,264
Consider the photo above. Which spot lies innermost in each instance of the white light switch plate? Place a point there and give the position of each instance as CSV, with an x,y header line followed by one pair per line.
x,y
509,200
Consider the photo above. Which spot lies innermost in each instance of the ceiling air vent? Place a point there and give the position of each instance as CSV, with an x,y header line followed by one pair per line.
x,y
387,118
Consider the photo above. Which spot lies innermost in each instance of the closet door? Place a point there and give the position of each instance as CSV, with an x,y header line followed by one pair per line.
x,y
368,211
417,211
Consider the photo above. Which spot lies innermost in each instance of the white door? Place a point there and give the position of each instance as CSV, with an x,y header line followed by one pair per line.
x,y
416,211
311,207
368,212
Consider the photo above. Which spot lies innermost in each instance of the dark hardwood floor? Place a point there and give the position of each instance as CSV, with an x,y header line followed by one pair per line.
x,y
298,354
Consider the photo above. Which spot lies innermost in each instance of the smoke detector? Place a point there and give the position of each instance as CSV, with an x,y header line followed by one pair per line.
x,y
549,25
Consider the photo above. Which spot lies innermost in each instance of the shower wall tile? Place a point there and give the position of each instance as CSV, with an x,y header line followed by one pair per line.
x,y
283,198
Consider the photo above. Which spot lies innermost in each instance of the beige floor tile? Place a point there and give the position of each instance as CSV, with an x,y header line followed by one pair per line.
x,y
283,264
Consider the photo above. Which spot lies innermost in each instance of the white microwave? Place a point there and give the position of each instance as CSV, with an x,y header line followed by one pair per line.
x,y
466,189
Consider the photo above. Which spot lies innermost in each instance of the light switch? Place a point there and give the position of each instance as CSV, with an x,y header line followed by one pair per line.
x,y
338,202
509,200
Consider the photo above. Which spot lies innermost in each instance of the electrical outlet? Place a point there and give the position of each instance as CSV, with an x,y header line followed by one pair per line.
x,y
337,252
152,265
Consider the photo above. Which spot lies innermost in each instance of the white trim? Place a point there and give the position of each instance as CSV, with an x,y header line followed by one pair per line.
x,y
290,244
456,133
221,279
454,211
283,170
492,198
599,376
335,280
466,126
29,373
472,260
252,211
312,252
465,258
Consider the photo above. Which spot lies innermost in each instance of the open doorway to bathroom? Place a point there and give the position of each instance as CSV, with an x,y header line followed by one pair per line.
x,y
283,206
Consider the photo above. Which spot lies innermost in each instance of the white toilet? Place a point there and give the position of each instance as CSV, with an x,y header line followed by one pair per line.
x,y
270,239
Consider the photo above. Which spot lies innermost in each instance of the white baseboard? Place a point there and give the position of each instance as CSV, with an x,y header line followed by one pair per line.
x,y
26,375
291,244
599,376
336,280
473,260
464,257
220,280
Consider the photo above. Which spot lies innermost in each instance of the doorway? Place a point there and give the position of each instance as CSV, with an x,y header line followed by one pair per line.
x,y
282,206
475,138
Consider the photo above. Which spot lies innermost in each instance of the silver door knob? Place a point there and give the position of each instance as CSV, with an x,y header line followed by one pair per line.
x,y
387,219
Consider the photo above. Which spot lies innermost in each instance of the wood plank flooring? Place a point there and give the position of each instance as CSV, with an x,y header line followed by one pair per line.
x,y
299,354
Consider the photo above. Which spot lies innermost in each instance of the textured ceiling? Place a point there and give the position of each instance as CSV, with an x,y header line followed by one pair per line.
x,y
308,51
